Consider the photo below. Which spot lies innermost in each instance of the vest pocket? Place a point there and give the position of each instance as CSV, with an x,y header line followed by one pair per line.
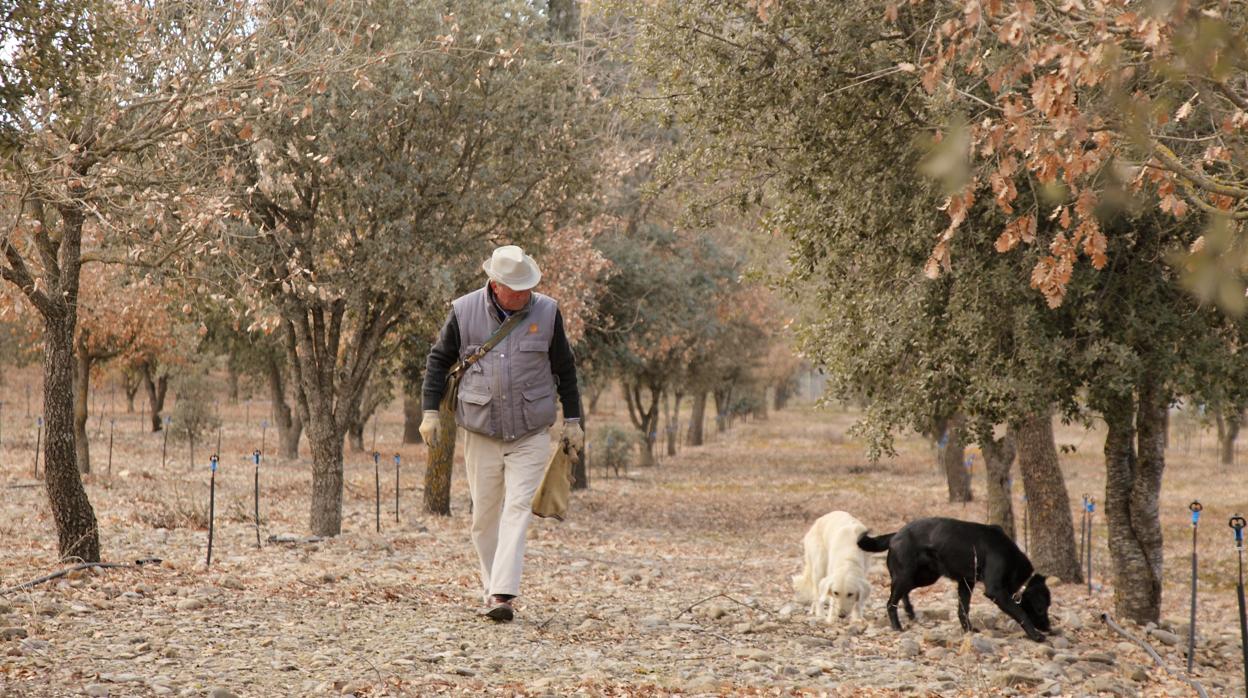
x,y
474,409
539,407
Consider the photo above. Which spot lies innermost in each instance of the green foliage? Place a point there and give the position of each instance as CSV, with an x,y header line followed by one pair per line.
x,y
51,46
612,447
812,113
195,410
459,130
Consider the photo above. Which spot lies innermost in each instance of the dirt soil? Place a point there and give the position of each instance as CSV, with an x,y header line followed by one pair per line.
x,y
667,580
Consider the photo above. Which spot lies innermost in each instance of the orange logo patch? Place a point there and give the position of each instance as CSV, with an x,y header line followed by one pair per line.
x,y
533,328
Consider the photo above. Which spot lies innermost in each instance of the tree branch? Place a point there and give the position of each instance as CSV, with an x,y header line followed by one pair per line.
x,y
1172,163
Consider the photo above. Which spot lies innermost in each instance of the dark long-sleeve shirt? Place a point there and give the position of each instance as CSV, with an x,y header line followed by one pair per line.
x,y
445,353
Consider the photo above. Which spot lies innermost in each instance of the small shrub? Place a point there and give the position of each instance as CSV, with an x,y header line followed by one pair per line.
x,y
195,413
612,447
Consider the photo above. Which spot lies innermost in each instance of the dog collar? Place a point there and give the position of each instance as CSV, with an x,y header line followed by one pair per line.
x,y
1018,595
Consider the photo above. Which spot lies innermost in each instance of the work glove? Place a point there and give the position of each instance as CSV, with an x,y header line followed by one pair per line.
x,y
429,427
574,435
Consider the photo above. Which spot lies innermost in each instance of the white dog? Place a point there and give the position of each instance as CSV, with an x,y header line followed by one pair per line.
x,y
835,568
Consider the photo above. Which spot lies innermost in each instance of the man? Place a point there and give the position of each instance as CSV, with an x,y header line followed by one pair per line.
x,y
506,407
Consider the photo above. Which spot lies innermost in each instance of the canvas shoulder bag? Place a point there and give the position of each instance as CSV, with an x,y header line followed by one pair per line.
x,y
555,492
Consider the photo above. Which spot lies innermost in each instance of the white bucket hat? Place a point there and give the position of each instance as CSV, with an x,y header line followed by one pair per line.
x,y
511,267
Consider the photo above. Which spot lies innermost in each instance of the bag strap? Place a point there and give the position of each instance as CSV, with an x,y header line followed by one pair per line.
x,y
503,330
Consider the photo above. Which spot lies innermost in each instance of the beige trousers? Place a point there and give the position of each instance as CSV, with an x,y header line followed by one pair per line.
x,y
502,479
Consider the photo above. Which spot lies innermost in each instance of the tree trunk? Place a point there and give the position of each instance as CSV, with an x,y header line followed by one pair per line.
x,y
1052,549
760,407
369,402
355,436
723,398
953,461
313,388
671,422
157,388
412,414
130,382
780,398
697,415
77,534
232,380
329,382
289,427
1132,487
82,387
1227,436
645,419
325,443
998,459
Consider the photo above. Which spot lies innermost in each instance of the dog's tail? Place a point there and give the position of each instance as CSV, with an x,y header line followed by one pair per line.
x,y
875,544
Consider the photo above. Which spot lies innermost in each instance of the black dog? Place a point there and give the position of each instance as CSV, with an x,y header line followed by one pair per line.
x,y
925,550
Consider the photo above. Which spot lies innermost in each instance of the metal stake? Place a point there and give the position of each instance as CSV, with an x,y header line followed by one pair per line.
x,y
1083,529
1091,515
112,427
1237,523
256,454
164,444
377,484
1195,508
396,488
212,506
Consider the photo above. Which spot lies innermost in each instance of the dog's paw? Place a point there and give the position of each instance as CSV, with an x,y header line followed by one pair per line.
x,y
1036,635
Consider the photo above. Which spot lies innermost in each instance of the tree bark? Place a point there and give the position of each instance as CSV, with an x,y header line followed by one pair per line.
x,y
1052,549
130,382
1228,431
998,459
355,436
1132,488
82,381
289,427
329,395
77,533
55,296
369,403
697,415
157,388
780,398
232,377
644,418
671,426
723,408
952,458
412,414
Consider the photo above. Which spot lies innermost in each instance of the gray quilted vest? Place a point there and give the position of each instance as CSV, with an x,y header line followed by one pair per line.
x,y
510,392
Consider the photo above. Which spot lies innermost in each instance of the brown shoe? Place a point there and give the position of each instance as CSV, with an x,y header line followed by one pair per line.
x,y
500,609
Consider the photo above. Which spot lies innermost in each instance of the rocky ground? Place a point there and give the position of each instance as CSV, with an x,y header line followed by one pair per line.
x,y
671,580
